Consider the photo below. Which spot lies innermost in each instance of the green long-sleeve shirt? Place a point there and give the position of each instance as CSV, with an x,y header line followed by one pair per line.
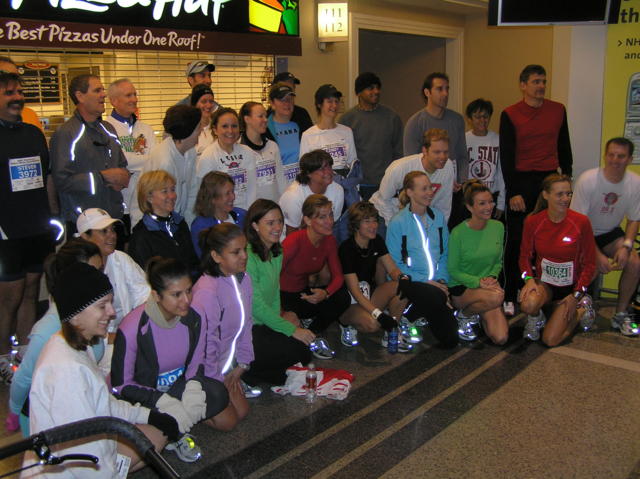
x,y
475,254
265,276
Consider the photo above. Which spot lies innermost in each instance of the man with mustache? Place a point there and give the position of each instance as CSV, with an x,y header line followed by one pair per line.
x,y
534,142
88,165
26,237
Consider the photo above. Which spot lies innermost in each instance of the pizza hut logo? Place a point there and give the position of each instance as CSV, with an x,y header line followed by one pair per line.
x,y
611,198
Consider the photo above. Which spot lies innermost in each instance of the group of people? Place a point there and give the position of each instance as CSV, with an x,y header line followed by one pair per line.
x,y
248,234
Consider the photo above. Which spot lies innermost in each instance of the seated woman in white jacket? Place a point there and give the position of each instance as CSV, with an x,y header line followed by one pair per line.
x,y
130,288
68,386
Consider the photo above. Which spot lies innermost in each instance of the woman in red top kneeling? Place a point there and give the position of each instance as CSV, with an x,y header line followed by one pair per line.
x,y
557,260
306,251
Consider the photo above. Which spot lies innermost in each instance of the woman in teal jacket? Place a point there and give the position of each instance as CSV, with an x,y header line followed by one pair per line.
x,y
417,239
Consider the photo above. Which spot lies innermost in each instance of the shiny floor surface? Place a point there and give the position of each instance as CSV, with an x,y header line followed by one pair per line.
x,y
477,411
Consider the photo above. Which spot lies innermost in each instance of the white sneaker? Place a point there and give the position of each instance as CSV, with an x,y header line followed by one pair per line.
x,y
348,336
623,322
533,326
589,317
509,308
466,330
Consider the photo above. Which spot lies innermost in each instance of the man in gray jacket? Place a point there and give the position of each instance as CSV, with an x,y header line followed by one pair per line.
x,y
88,165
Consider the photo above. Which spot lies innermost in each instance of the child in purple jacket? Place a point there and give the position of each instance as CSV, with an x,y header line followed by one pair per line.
x,y
222,297
158,355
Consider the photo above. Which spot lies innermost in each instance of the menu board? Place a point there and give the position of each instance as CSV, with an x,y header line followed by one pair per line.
x,y
40,82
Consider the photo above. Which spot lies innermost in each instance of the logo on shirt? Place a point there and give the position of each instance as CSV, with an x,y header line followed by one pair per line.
x,y
231,161
611,198
481,170
436,187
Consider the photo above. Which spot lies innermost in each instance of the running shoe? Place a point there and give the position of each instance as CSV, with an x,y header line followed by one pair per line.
x,y
321,350
404,346
466,330
348,336
623,322
7,368
186,448
421,322
410,331
250,392
509,308
533,326
589,317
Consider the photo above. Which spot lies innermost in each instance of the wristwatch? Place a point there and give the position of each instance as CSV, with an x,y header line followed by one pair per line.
x,y
578,294
628,244
244,366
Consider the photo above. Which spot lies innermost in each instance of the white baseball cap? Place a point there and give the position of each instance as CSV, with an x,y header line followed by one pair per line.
x,y
94,219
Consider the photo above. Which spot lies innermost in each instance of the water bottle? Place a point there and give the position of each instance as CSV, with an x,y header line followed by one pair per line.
x,y
392,341
311,382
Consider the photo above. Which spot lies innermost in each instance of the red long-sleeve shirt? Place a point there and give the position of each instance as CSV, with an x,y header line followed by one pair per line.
x,y
558,244
301,259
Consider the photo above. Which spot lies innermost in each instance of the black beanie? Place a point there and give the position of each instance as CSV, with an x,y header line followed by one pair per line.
x,y
365,80
78,287
198,91
181,120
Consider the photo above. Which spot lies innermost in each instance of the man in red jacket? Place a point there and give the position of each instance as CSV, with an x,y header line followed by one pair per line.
x,y
534,142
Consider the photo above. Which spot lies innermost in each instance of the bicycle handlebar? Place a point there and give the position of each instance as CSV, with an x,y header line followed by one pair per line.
x,y
91,427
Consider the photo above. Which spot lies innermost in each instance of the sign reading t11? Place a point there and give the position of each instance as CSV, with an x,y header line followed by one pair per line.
x,y
333,22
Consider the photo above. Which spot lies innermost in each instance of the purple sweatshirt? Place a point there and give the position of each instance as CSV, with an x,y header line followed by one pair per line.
x,y
228,321
148,359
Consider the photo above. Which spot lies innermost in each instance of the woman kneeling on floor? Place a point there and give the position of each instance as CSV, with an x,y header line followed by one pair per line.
x,y
365,265
222,296
558,244
279,341
417,238
475,260
306,251
158,355
69,386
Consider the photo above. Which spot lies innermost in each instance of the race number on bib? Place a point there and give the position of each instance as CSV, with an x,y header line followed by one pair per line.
x,y
557,274
26,173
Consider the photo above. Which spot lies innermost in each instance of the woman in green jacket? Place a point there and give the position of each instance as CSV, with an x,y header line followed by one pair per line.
x,y
279,341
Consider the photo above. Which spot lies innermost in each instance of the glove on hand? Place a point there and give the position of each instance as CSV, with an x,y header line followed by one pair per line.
x,y
403,284
387,322
194,401
174,408
166,423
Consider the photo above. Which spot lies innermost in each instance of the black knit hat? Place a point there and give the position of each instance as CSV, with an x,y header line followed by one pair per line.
x,y
181,120
198,91
365,80
77,288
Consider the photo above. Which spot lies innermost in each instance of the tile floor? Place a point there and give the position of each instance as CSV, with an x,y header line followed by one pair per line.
x,y
477,411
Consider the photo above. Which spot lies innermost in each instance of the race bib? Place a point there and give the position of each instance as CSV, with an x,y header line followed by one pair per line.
x,y
26,173
291,171
365,289
557,274
266,172
338,153
166,380
122,465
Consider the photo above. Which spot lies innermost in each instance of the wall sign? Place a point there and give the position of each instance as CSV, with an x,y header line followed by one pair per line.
x,y
40,82
194,25
333,22
32,33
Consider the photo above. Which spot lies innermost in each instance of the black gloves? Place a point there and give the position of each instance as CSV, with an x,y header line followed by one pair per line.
x,y
167,424
387,322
